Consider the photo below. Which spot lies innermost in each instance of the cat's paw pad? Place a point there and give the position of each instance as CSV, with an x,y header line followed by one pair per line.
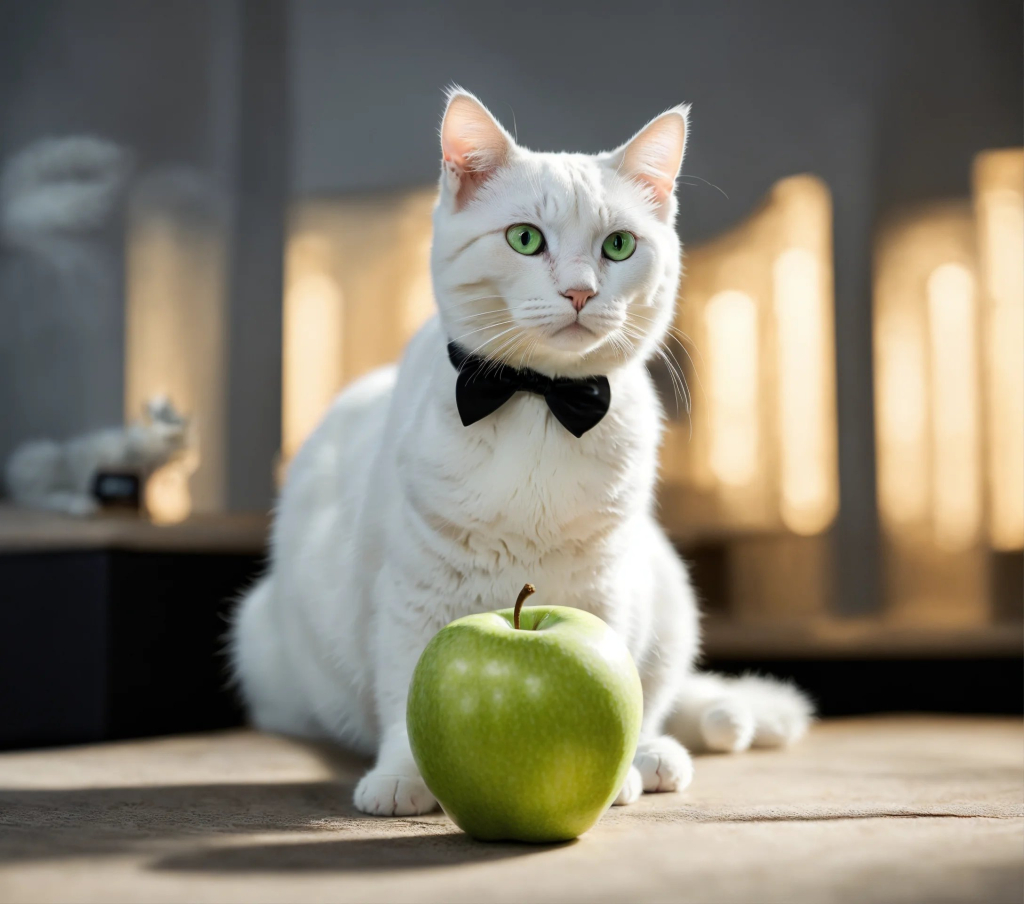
x,y
631,789
393,795
663,764
727,726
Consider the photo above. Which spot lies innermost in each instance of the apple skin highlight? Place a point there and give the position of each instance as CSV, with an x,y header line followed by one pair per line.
x,y
525,734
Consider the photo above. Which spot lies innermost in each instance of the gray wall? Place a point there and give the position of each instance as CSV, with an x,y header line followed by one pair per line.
x,y
905,90
191,85
132,75
887,101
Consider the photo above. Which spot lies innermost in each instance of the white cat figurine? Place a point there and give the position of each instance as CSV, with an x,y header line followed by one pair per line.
x,y
396,518
58,476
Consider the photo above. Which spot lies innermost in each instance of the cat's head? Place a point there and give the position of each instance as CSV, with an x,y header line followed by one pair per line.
x,y
567,263
170,433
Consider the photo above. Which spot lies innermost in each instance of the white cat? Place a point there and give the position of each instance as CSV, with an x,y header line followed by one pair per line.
x,y
396,518
59,476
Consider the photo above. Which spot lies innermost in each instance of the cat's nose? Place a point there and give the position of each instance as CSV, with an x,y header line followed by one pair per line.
x,y
579,297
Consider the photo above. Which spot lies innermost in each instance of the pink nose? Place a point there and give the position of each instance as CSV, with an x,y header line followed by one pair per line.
x,y
578,297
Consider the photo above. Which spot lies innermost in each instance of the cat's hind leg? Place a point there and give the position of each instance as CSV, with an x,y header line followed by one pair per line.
x,y
716,713
272,698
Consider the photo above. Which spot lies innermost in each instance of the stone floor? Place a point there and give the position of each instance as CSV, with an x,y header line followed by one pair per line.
x,y
907,809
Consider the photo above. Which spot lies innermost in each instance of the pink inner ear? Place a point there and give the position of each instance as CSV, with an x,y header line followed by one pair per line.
x,y
655,155
471,138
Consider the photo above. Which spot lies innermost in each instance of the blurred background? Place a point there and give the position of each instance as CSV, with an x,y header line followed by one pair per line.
x,y
228,203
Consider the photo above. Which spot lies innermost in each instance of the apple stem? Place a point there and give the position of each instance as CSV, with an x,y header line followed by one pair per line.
x,y
523,594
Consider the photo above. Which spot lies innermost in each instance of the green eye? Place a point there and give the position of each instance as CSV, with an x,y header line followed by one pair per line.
x,y
526,239
619,245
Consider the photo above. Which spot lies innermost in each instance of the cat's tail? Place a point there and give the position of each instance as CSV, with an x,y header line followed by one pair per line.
x,y
57,188
724,714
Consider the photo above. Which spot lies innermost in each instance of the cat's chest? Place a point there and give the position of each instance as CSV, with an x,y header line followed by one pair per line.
x,y
521,473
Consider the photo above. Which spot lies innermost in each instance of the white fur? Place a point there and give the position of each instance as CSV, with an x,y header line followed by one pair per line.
x,y
396,519
59,476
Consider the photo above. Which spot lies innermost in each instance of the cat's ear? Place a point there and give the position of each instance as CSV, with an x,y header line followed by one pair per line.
x,y
473,145
654,155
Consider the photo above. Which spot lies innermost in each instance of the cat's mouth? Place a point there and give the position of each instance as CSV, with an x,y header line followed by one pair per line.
x,y
575,329
574,337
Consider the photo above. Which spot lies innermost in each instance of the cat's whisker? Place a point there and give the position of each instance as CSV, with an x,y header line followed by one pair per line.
x,y
477,298
497,356
470,317
705,181
680,389
672,331
488,326
476,351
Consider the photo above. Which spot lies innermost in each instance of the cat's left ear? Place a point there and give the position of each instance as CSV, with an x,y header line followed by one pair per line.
x,y
473,145
654,156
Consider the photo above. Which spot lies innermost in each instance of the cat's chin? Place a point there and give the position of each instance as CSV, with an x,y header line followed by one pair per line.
x,y
575,353
574,338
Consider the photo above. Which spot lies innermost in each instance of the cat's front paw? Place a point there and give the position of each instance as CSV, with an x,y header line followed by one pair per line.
x,y
663,764
393,795
631,789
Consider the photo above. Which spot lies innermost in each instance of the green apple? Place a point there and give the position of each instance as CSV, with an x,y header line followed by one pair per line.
x,y
524,722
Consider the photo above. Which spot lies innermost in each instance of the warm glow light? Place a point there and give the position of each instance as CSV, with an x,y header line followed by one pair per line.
x,y
168,499
999,193
357,287
175,341
313,311
902,401
956,496
731,354
758,452
803,330
419,298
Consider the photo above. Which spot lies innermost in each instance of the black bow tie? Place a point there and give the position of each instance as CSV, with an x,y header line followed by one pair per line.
x,y
483,387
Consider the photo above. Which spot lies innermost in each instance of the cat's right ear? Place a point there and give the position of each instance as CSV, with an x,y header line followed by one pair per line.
x,y
473,146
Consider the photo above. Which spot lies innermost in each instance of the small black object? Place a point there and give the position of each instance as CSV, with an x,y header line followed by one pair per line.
x,y
118,489
483,387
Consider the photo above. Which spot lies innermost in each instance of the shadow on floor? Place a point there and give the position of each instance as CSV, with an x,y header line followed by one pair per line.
x,y
383,853
156,821
40,824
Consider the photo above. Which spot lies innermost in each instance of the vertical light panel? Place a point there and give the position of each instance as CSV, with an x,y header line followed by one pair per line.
x,y
175,337
357,288
928,417
732,384
313,326
927,378
802,295
756,307
999,208
901,401
806,394
956,499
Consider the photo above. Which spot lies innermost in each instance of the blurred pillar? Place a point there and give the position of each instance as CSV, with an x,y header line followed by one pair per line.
x,y
856,542
250,125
